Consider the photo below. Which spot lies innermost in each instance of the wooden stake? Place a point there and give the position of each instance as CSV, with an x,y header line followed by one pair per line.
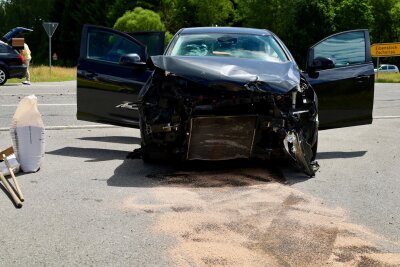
x,y
19,192
17,202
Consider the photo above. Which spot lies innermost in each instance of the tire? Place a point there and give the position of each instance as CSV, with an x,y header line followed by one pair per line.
x,y
314,148
3,76
146,146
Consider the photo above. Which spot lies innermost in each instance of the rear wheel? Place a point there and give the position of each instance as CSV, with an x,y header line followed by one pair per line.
x,y
3,76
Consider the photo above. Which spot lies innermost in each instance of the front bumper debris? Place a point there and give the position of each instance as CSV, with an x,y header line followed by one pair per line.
x,y
189,119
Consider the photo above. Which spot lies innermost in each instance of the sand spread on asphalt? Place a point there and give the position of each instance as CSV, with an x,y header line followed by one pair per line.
x,y
248,217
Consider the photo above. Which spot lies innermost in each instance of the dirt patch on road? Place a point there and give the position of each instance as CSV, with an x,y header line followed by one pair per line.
x,y
230,218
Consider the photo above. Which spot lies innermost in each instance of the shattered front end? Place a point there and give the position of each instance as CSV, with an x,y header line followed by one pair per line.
x,y
221,116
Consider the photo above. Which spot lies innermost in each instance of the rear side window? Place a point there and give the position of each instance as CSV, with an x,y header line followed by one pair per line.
x,y
343,49
109,46
154,41
391,67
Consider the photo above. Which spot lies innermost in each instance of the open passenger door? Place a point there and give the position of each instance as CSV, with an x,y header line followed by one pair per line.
x,y
112,69
341,71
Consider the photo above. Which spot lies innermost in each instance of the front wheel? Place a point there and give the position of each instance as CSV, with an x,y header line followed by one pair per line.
x,y
150,153
314,147
3,76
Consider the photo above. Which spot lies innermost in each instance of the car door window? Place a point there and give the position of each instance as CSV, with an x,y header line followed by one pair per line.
x,y
109,46
154,41
344,49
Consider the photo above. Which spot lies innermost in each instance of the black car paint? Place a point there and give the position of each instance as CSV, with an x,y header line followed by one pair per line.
x,y
104,94
10,63
278,78
111,90
337,89
345,94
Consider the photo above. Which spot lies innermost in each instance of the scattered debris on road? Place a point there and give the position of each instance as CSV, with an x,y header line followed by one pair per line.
x,y
248,217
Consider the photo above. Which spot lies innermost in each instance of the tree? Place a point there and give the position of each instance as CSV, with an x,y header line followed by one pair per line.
x,y
167,9
119,7
383,28
395,15
2,13
259,13
72,15
353,14
196,13
299,23
139,20
311,21
212,12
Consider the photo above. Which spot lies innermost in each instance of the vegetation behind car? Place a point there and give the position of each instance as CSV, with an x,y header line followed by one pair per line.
x,y
299,23
387,77
42,74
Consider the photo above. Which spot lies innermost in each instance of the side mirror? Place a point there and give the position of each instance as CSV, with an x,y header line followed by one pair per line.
x,y
131,60
317,63
322,63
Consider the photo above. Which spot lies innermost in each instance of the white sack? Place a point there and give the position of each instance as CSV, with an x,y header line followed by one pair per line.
x,y
27,134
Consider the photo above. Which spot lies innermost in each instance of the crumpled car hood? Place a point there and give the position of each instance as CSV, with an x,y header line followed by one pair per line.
x,y
232,73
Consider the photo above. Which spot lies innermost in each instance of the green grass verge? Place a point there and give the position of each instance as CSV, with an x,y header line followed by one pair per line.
x,y
42,74
388,78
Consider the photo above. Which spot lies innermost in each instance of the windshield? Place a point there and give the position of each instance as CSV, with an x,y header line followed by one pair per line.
x,y
262,47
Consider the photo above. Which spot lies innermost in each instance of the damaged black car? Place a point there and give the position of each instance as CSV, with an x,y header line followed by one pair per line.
x,y
219,93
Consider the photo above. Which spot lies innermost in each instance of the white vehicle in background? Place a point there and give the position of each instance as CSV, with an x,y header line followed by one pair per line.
x,y
387,68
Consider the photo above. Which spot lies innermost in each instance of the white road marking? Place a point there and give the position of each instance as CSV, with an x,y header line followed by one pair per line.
x,y
387,117
14,105
38,94
35,85
71,127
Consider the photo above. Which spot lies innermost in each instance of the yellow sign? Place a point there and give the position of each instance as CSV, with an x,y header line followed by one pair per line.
x,y
385,50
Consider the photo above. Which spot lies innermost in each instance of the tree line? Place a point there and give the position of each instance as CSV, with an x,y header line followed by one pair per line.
x,y
299,23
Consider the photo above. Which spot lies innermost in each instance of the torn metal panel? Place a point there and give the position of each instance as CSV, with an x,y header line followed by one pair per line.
x,y
301,152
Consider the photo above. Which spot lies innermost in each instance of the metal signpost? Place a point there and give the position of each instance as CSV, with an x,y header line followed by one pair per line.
x,y
384,50
50,28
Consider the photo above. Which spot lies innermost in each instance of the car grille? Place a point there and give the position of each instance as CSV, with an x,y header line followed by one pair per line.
x,y
221,137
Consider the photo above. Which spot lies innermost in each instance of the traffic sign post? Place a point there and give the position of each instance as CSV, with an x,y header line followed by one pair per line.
x,y
50,28
384,50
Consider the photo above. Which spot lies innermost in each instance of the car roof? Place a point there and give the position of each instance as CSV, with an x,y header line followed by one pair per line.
x,y
232,30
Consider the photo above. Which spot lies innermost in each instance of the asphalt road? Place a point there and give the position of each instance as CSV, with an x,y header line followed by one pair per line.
x,y
57,102
88,205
